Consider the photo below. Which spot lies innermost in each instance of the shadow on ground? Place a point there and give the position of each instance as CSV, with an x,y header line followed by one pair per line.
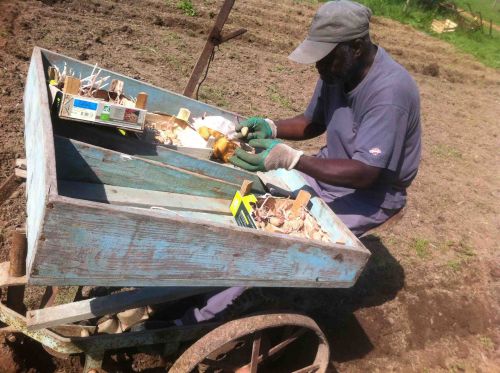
x,y
333,309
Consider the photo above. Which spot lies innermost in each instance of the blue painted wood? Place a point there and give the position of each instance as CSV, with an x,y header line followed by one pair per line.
x,y
39,152
113,141
78,242
88,243
124,196
78,161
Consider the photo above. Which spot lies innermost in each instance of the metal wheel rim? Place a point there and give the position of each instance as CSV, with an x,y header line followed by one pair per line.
x,y
237,329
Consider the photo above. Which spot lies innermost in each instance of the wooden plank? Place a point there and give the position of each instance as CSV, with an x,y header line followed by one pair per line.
x,y
39,147
110,140
20,174
201,217
110,304
6,279
114,245
21,163
124,196
78,161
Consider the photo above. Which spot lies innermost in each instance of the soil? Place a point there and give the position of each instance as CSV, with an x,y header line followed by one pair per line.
x,y
428,299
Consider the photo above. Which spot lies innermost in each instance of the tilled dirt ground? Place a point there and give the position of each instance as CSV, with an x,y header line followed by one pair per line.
x,y
429,298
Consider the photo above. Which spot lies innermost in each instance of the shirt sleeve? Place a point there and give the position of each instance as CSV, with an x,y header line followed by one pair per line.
x,y
380,137
315,110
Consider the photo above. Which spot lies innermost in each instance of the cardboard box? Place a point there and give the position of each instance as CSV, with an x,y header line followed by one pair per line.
x,y
242,208
91,110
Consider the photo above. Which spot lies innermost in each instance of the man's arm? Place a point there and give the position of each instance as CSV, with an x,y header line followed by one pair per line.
x,y
343,172
298,128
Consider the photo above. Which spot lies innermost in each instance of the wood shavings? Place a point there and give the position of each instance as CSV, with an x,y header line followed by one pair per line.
x,y
163,129
275,215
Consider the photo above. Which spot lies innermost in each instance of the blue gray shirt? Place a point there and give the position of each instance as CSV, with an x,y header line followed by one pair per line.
x,y
377,123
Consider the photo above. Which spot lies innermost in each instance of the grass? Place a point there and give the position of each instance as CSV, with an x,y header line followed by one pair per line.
x,y
277,97
215,95
487,343
485,7
445,151
421,247
484,47
187,7
463,253
454,264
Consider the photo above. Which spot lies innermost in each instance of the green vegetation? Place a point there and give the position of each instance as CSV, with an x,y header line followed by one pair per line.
x,y
445,151
187,7
463,253
484,47
421,247
487,343
214,95
454,264
277,97
485,7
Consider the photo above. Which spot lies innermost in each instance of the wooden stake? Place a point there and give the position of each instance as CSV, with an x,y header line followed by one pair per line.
x,y
8,187
71,85
212,41
17,254
117,87
246,187
53,74
301,201
142,100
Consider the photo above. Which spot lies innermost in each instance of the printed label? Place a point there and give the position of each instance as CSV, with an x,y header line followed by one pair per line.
x,y
81,104
84,110
117,113
106,110
131,115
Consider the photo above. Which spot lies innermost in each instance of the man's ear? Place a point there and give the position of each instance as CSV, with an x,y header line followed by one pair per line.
x,y
358,46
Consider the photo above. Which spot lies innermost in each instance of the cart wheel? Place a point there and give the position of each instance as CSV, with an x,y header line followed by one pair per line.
x,y
281,342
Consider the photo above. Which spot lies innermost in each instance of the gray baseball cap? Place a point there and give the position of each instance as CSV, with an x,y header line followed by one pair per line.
x,y
334,22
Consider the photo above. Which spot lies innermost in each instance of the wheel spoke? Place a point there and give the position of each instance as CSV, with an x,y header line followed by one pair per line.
x,y
280,346
219,365
308,369
255,352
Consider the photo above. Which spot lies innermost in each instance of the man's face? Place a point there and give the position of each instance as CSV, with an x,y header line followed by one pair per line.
x,y
338,65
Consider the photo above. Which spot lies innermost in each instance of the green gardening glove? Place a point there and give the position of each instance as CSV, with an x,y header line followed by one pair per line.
x,y
274,155
258,128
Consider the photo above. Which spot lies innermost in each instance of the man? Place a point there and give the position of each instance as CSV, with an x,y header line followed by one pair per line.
x,y
369,107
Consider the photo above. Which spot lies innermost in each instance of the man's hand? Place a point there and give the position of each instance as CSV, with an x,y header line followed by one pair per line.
x,y
258,128
275,155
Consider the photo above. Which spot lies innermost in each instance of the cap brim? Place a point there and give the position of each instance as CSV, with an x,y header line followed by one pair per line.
x,y
311,51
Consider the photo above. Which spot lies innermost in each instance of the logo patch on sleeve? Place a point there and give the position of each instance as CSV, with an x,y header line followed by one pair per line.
x,y
375,152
